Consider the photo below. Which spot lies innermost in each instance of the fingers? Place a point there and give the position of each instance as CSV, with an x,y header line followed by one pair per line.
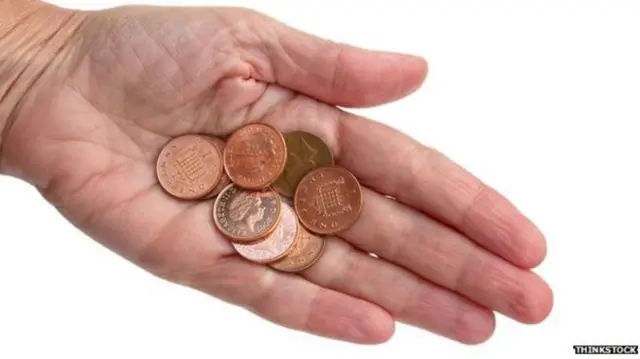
x,y
404,236
334,73
294,302
403,294
397,165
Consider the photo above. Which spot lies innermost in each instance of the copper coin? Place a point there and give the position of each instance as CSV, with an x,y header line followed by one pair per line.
x,y
328,200
189,167
255,156
305,253
305,151
224,179
275,246
244,215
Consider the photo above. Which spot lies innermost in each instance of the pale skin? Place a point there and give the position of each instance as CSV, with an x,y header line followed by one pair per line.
x,y
88,99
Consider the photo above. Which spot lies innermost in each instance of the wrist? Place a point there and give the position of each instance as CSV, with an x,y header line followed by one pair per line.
x,y
33,38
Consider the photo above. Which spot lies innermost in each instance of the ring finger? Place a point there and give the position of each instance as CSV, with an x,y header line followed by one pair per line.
x,y
407,297
407,237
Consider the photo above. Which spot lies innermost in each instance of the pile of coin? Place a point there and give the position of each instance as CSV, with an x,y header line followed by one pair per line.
x,y
276,195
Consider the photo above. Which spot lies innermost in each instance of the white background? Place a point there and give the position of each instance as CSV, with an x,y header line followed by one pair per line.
x,y
540,100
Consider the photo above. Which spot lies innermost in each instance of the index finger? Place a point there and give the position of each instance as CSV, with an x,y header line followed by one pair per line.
x,y
397,165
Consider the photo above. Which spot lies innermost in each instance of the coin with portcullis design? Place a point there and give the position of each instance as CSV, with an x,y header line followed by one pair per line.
x,y
275,246
328,200
306,251
189,167
224,179
244,215
255,156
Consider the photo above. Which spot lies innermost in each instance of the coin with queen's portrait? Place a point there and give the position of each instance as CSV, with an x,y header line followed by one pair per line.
x,y
246,216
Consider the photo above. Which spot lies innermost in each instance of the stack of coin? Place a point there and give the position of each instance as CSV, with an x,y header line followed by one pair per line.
x,y
276,195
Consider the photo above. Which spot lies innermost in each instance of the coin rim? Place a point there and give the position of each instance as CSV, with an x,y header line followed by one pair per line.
x,y
320,253
279,172
280,256
306,265
349,224
245,240
284,135
218,175
213,192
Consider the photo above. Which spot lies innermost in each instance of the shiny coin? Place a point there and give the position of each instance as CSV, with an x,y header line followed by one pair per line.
x,y
275,246
189,167
245,216
224,179
255,156
306,251
328,200
305,152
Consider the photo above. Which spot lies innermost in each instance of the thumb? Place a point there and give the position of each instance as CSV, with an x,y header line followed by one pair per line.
x,y
335,73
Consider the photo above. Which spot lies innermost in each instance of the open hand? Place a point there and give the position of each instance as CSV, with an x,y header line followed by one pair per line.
x,y
450,250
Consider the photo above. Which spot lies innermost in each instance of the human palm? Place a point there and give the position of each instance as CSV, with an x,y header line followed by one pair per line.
x,y
449,249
